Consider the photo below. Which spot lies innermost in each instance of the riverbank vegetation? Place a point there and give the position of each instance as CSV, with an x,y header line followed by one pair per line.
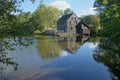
x,y
44,18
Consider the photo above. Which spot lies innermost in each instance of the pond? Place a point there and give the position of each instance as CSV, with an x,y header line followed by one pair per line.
x,y
59,58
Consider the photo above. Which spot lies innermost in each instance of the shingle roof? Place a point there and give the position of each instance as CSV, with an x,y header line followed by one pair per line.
x,y
64,18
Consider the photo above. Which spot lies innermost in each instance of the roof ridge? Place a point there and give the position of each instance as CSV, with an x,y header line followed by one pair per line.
x,y
65,17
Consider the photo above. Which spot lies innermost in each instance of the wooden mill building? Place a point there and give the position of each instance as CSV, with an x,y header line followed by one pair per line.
x,y
70,24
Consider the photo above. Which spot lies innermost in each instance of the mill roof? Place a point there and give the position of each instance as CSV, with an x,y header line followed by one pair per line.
x,y
64,18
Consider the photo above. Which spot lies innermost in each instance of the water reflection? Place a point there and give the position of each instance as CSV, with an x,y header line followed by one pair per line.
x,y
7,45
108,53
53,47
72,43
47,47
44,59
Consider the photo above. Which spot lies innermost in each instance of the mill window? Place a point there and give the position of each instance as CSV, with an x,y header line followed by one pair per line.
x,y
70,23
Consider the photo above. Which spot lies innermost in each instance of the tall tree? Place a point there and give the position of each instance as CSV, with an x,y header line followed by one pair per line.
x,y
46,17
110,16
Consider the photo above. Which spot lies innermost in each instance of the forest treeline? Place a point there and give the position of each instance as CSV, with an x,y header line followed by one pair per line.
x,y
105,22
43,18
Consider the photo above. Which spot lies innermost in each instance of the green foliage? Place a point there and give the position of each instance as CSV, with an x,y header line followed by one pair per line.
x,y
67,11
93,21
23,23
108,53
37,32
110,16
7,18
46,17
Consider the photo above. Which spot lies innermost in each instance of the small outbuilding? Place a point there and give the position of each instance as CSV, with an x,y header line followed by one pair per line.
x,y
82,29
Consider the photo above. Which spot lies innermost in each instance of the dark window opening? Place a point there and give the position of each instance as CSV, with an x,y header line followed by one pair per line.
x,y
75,22
71,28
70,23
71,40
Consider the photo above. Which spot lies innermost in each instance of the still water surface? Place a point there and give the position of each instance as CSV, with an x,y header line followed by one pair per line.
x,y
59,58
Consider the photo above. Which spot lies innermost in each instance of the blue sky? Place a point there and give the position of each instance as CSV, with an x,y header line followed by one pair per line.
x,y
80,7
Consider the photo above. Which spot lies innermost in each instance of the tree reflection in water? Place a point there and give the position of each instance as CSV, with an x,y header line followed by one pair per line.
x,y
7,44
108,53
52,47
47,47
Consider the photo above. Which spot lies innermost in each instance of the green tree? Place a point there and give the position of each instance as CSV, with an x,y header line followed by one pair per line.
x,y
67,11
7,18
24,25
46,17
110,16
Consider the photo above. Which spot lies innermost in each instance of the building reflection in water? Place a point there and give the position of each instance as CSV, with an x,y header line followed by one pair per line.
x,y
72,43
53,47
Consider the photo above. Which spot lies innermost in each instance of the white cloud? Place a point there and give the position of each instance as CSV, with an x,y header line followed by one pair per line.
x,y
92,45
60,4
92,8
89,11
63,53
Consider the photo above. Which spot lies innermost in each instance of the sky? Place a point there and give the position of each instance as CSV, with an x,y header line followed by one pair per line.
x,y
80,7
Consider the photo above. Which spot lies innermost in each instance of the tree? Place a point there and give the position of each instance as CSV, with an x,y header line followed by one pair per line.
x,y
110,16
24,25
67,11
46,17
7,18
